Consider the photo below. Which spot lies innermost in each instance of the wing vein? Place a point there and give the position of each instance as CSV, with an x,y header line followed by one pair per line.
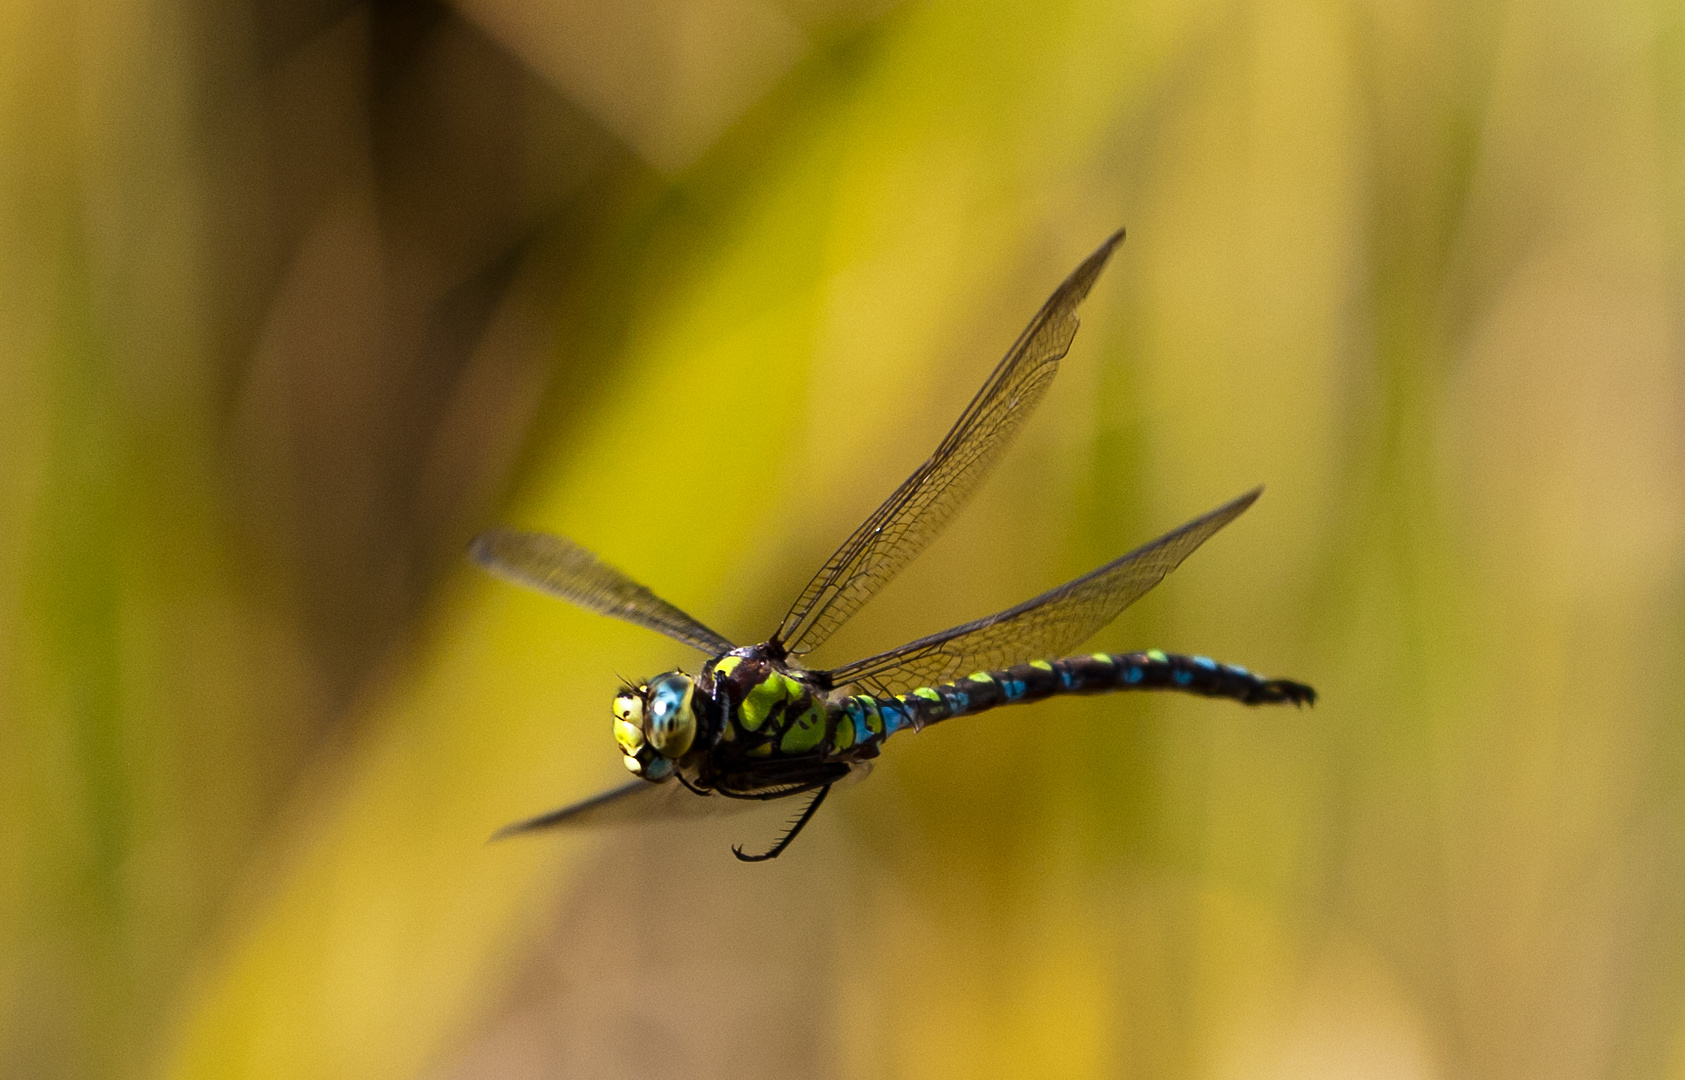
x,y
1043,627
564,569
918,510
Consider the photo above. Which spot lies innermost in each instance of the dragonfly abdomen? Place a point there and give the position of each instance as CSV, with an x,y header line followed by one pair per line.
x,y
1102,673
875,718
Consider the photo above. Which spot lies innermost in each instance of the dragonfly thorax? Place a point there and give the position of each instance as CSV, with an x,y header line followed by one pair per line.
x,y
655,724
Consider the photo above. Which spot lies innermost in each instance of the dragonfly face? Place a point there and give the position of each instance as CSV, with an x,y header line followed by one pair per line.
x,y
655,724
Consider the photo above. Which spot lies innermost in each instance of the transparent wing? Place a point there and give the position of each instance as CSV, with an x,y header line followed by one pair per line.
x,y
640,801
1046,627
563,568
917,511
630,804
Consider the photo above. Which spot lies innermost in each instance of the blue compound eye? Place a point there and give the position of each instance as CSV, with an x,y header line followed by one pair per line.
x,y
669,720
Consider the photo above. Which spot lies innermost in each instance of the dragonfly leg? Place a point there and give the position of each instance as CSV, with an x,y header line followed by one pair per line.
x,y
778,780
782,791
794,830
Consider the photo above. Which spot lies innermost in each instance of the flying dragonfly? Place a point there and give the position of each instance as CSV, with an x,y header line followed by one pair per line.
x,y
755,723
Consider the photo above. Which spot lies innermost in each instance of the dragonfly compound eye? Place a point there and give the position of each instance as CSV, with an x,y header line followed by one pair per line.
x,y
670,722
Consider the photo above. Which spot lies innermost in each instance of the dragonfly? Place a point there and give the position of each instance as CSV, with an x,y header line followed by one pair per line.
x,y
756,723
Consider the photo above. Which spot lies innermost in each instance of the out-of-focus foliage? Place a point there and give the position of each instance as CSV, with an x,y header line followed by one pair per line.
x,y
296,296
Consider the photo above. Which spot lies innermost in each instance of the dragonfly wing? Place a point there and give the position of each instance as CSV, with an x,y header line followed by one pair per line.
x,y
562,568
629,804
1046,627
640,801
913,516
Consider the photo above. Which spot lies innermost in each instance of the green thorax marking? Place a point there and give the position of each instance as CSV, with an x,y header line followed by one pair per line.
x,y
806,730
771,711
774,690
843,737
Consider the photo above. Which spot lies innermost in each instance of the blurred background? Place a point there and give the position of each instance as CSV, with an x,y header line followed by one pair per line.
x,y
296,295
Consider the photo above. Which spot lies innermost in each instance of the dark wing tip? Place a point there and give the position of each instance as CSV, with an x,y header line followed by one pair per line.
x,y
1104,251
532,824
482,549
1225,513
1076,287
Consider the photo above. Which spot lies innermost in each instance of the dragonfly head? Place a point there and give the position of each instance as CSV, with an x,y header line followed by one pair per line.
x,y
655,724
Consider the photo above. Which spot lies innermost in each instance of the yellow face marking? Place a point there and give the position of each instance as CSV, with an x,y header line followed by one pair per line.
x,y
632,765
1041,665
629,735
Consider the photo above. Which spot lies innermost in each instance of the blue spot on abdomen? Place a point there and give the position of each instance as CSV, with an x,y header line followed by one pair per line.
x,y
856,713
